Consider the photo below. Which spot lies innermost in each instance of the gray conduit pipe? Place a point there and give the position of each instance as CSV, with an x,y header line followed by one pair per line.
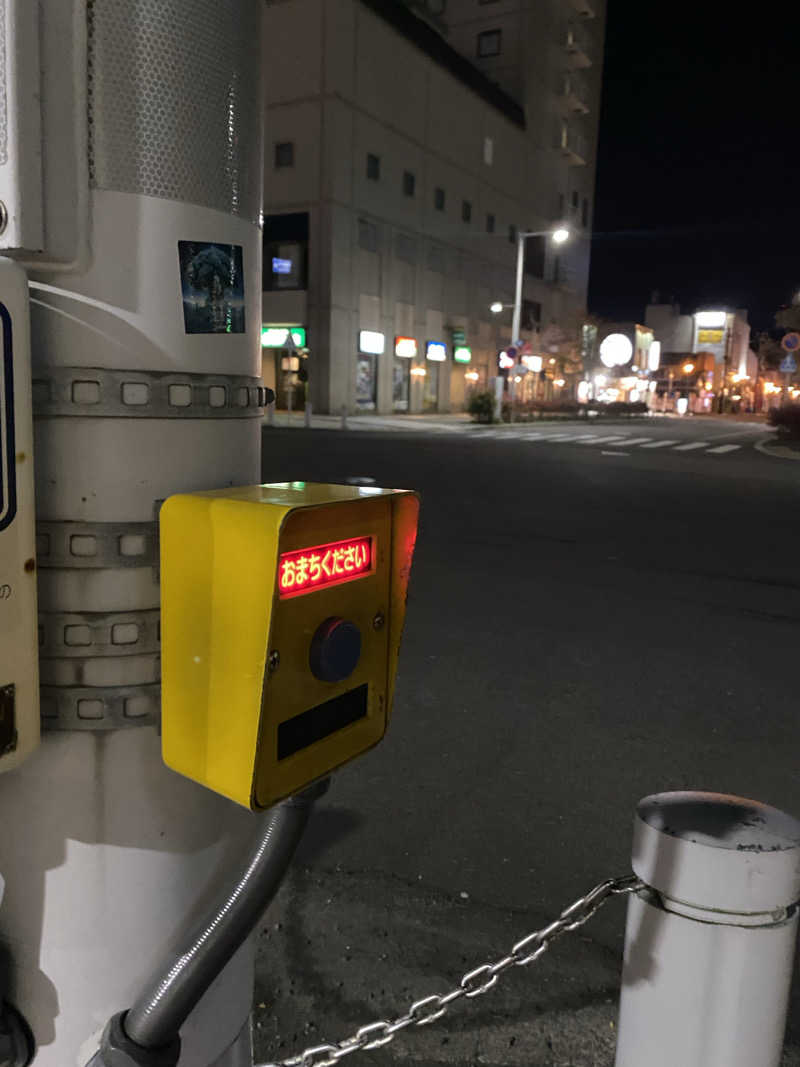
x,y
166,1002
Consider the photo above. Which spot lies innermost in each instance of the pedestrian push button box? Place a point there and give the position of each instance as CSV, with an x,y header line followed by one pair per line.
x,y
282,611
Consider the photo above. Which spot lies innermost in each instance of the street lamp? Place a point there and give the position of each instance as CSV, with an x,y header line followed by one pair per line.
x,y
687,368
557,236
497,307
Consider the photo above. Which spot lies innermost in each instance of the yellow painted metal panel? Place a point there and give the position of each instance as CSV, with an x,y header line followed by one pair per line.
x,y
235,653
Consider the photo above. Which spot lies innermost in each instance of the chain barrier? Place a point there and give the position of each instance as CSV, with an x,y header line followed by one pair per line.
x,y
474,983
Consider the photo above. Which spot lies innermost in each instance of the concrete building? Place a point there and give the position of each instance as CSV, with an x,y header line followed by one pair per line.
x,y
715,344
407,143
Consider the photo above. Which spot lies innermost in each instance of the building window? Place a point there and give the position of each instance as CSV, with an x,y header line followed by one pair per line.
x,y
409,183
438,198
575,199
585,213
367,236
490,223
489,43
466,211
405,248
488,151
531,315
286,251
534,258
512,234
373,167
284,154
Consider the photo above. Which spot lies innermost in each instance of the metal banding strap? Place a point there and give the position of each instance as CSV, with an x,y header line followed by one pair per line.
x,y
132,394
100,708
96,545
90,635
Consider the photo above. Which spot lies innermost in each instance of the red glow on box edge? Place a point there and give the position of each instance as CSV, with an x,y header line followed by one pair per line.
x,y
321,566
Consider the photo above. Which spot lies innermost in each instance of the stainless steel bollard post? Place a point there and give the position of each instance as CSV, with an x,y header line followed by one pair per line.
x,y
710,942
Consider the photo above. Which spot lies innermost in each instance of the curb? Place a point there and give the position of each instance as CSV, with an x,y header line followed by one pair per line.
x,y
768,447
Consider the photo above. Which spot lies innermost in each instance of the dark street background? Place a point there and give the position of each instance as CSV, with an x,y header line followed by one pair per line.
x,y
583,629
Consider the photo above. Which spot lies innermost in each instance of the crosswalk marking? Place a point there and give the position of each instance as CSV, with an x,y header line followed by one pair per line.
x,y
603,440
638,440
720,450
692,446
661,444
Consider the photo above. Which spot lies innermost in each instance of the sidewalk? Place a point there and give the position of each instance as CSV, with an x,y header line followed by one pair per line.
x,y
453,423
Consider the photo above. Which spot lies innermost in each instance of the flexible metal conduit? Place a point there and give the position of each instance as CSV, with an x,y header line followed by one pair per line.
x,y
168,999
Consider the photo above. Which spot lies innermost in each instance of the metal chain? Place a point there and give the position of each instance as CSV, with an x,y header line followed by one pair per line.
x,y
474,984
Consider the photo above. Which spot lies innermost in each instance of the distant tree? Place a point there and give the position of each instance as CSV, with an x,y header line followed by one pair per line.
x,y
788,318
769,352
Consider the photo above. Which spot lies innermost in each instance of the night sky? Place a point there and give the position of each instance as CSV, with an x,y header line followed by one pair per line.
x,y
698,179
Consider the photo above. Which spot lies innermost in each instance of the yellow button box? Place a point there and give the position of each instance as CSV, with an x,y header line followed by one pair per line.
x,y
282,610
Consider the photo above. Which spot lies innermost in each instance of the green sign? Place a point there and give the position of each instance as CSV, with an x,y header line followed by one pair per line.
x,y
277,336
462,354
459,337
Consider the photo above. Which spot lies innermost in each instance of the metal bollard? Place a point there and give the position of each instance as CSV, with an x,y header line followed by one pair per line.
x,y
709,944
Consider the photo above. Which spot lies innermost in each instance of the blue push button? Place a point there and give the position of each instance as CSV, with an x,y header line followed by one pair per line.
x,y
335,650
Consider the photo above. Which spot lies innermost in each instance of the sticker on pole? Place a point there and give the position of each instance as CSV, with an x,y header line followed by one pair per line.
x,y
8,475
788,364
212,287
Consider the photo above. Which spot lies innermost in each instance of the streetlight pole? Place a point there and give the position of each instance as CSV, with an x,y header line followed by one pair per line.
x,y
515,321
558,236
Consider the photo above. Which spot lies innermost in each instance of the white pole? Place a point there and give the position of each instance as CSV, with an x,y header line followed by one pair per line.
x,y
518,288
710,943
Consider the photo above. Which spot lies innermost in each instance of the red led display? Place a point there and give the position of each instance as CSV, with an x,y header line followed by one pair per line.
x,y
307,569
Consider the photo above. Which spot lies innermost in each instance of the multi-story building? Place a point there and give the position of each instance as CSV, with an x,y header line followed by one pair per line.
x,y
407,144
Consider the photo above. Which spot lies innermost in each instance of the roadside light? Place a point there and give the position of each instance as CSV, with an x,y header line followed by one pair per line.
x,y
472,376
418,372
687,368
560,235
551,362
560,382
496,307
517,378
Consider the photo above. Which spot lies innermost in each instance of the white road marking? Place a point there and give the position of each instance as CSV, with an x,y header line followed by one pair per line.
x,y
692,446
605,440
661,444
723,449
604,453
638,440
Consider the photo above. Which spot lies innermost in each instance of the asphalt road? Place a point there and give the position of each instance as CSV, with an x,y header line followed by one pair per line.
x,y
589,622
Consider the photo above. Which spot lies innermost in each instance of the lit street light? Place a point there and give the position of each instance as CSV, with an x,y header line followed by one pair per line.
x,y
687,368
557,236
497,307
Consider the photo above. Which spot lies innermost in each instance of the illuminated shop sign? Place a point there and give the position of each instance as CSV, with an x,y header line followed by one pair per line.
x,y
711,319
281,266
462,354
277,336
307,569
436,351
406,347
371,342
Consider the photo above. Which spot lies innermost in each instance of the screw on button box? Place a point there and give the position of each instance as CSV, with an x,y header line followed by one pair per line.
x,y
273,671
